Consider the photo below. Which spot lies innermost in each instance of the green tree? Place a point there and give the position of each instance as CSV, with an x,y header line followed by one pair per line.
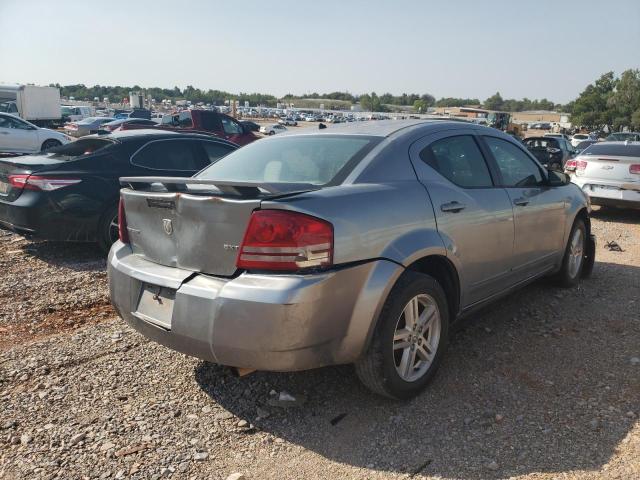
x,y
495,102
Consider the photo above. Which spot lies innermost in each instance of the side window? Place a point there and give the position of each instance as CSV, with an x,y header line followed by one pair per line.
x,y
230,127
215,151
184,120
15,123
517,169
179,155
459,160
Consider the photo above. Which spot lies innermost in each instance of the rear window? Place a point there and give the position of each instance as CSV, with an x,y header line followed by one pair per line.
x,y
84,146
541,143
579,136
617,150
315,159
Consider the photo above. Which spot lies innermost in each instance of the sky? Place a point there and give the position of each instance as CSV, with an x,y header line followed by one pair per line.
x,y
454,48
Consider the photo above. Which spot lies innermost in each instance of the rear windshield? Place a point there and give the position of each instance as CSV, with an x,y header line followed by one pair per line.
x,y
580,136
541,143
315,159
615,149
84,146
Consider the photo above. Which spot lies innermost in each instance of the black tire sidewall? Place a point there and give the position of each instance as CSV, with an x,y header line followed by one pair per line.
x,y
47,144
414,285
104,225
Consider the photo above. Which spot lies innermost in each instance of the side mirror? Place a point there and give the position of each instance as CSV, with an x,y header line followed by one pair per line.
x,y
558,179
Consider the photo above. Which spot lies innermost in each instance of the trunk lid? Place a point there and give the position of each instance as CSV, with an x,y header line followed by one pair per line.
x,y
607,168
21,166
191,224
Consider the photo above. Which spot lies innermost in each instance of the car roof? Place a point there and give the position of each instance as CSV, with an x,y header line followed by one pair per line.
x,y
137,134
387,128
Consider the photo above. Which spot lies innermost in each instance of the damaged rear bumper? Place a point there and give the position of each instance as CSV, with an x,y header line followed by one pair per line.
x,y
280,322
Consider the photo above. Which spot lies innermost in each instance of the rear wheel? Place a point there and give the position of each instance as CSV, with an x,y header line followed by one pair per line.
x,y
272,132
50,144
409,340
574,255
108,229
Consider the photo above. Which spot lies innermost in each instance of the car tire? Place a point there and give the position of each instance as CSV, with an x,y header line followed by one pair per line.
x,y
50,144
574,255
106,234
272,132
390,367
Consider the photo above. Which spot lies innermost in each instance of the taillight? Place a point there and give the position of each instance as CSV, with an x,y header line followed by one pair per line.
x,y
36,182
581,165
283,240
570,165
635,168
123,233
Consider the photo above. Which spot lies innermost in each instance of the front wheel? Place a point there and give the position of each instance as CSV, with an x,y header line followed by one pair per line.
x,y
574,255
49,144
409,340
272,132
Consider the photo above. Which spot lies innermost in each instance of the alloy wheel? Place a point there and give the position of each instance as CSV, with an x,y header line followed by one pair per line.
x,y
576,252
416,337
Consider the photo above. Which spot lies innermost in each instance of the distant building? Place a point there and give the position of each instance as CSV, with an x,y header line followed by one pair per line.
x,y
468,112
549,116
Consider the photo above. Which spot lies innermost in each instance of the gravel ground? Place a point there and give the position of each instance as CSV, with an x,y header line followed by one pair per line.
x,y
542,385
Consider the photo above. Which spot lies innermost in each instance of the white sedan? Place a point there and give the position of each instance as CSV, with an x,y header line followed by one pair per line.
x,y
272,129
20,136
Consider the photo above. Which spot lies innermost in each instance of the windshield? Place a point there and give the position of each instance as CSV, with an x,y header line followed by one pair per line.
x,y
624,136
614,149
84,146
580,136
315,159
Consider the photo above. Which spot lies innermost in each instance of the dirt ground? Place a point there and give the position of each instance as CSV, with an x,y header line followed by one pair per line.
x,y
544,384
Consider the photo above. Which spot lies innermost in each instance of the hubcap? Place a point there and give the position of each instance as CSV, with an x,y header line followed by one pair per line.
x,y
416,338
576,252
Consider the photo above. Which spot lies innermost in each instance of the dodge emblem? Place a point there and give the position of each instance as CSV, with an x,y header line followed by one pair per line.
x,y
167,225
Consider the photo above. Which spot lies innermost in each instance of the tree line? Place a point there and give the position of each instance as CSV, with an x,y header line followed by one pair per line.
x,y
610,100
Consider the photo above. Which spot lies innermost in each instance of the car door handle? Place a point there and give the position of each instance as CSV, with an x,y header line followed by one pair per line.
x,y
521,202
453,207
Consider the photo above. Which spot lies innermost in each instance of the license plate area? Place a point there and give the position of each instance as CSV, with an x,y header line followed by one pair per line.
x,y
4,188
155,305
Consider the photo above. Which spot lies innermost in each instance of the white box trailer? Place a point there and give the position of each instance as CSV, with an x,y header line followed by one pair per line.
x,y
39,105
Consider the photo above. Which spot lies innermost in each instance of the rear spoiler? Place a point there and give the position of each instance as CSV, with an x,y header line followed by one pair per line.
x,y
243,189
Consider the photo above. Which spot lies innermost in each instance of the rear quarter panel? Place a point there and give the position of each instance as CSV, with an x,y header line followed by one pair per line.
x,y
393,221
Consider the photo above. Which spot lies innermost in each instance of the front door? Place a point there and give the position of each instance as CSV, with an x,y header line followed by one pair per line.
x,y
474,217
17,136
539,210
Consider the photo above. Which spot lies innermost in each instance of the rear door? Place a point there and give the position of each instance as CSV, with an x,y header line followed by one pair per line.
x,y
539,210
474,217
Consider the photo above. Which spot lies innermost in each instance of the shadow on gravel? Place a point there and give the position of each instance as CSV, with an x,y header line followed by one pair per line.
x,y
539,382
618,215
76,256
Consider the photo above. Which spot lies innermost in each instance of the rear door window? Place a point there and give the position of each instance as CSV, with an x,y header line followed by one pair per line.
x,y
459,160
215,151
515,166
230,127
84,146
173,155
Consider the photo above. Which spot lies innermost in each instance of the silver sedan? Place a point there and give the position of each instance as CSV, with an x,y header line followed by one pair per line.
x,y
358,243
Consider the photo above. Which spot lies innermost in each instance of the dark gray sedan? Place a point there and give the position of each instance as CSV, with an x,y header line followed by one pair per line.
x,y
358,243
86,126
